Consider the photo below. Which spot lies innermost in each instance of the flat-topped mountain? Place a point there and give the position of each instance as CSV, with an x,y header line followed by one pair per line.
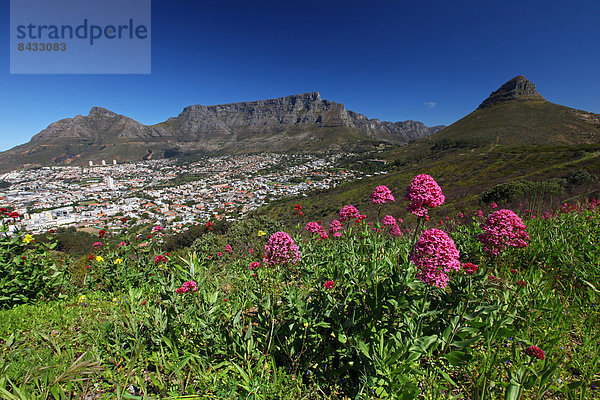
x,y
302,122
305,110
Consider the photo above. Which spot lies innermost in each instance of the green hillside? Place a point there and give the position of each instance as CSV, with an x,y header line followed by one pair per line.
x,y
514,123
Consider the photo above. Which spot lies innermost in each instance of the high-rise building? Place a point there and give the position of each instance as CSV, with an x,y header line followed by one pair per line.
x,y
110,182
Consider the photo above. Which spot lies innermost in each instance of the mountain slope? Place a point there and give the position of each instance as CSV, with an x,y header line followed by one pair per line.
x,y
301,122
516,114
514,134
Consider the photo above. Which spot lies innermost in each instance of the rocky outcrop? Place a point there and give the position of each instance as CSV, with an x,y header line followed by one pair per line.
x,y
305,110
302,122
518,88
99,126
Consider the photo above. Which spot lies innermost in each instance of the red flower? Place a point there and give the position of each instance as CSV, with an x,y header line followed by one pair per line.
x,y
536,352
149,237
521,283
470,268
90,257
14,215
159,258
124,220
329,284
102,233
144,302
514,271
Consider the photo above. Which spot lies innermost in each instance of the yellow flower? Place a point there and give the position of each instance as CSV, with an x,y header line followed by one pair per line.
x,y
305,325
99,258
261,233
28,239
118,261
82,299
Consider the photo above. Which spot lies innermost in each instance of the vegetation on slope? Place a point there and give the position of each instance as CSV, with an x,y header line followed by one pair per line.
x,y
350,319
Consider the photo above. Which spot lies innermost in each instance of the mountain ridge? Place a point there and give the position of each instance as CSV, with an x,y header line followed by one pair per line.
x,y
300,121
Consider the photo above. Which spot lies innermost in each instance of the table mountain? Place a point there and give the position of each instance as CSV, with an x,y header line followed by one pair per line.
x,y
302,122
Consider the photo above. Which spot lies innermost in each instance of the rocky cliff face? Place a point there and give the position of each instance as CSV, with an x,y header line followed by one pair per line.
x,y
305,110
518,88
300,122
99,126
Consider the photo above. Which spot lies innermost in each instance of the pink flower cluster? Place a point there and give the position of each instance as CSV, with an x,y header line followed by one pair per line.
x,y
390,221
228,248
189,286
423,193
503,229
160,258
470,268
281,249
435,255
157,228
329,285
254,265
349,212
381,195
315,227
535,352
335,227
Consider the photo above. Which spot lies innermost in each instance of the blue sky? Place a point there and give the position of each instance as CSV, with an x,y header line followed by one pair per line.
x,y
432,61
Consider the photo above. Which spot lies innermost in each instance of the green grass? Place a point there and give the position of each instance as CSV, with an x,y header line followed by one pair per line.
x,y
282,334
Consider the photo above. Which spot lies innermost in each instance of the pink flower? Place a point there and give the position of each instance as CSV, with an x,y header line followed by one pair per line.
x,y
400,220
335,226
503,229
396,231
97,244
388,220
535,352
435,254
187,287
160,258
461,215
381,195
254,265
219,254
313,227
228,248
470,268
323,235
250,251
337,234
423,192
329,285
493,205
281,249
122,244
348,212
157,228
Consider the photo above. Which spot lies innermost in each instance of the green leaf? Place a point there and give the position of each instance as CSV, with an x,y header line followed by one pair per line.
x,y
458,358
461,344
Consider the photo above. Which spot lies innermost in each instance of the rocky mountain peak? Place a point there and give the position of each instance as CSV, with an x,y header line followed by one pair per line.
x,y
101,112
518,88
